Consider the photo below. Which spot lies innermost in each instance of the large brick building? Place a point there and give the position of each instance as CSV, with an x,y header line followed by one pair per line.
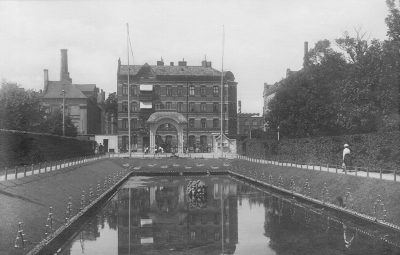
x,y
81,100
182,103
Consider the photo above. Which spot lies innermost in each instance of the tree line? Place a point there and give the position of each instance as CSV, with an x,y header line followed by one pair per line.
x,y
22,109
346,87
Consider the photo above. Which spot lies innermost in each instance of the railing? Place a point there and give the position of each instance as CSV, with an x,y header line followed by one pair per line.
x,y
381,173
18,172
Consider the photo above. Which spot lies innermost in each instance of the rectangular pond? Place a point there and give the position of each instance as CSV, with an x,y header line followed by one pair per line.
x,y
218,215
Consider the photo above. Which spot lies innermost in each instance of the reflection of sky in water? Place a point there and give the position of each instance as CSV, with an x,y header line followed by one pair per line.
x,y
106,243
251,230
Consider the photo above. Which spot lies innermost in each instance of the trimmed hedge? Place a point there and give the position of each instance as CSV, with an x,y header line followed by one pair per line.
x,y
23,148
375,150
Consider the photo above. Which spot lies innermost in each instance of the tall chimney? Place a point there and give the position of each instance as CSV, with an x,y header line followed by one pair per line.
x,y
305,58
45,79
64,74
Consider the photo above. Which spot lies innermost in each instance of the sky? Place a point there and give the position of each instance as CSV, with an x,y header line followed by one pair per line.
x,y
262,37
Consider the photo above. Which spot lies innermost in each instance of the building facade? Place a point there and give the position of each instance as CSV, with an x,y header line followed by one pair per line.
x,y
248,122
81,100
191,95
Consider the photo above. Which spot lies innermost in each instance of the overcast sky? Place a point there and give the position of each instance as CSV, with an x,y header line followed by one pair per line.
x,y
262,37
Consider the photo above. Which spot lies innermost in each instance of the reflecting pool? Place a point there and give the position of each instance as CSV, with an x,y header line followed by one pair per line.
x,y
218,215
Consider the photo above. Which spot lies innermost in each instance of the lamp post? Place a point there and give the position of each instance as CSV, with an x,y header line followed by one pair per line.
x,y
63,113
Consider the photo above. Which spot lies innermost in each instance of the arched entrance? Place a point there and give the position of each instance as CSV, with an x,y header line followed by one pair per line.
x,y
158,119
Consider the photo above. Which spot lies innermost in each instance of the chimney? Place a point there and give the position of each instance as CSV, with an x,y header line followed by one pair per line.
x,y
64,74
239,106
171,63
160,63
208,63
204,63
305,58
182,63
46,79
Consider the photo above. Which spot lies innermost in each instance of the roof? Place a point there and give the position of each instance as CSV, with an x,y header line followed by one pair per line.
x,y
171,70
55,88
157,116
86,87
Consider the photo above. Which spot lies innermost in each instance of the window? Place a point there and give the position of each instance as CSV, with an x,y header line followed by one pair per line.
x,y
203,123
225,108
246,122
216,91
157,90
203,107
215,123
124,90
255,123
180,90
191,107
215,107
191,90
134,90
134,123
169,91
124,123
203,91
168,105
124,106
191,123
180,106
157,106
134,106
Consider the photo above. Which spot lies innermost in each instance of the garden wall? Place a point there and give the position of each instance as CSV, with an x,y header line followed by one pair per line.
x,y
22,148
377,150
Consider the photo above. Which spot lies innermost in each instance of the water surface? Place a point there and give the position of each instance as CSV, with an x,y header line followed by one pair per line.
x,y
156,215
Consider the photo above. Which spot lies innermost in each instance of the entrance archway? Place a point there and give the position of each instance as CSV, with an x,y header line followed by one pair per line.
x,y
171,118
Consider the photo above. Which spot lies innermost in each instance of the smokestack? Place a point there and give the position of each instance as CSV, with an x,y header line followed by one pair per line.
x,y
64,74
46,79
305,58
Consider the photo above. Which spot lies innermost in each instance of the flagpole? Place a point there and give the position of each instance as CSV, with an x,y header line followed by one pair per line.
x,y
222,91
129,92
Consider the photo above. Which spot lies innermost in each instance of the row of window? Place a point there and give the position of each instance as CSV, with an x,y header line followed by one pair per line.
x,y
179,91
179,107
203,123
254,123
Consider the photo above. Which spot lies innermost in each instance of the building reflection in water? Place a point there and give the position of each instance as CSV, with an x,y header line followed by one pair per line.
x,y
161,217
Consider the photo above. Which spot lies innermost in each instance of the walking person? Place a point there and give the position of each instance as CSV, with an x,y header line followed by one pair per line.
x,y
347,164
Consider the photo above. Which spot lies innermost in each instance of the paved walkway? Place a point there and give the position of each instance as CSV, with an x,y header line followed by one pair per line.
x,y
332,169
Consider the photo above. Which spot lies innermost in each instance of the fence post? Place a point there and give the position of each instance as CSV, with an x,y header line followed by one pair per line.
x,y
45,167
367,171
320,167
16,172
327,167
6,172
40,166
395,173
32,169
356,169
380,173
24,170
336,168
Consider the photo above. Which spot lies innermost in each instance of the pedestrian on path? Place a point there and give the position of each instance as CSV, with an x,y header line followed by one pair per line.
x,y
346,157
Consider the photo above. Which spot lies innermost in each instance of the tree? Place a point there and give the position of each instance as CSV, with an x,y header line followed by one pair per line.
x,y
19,108
53,124
305,102
111,104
